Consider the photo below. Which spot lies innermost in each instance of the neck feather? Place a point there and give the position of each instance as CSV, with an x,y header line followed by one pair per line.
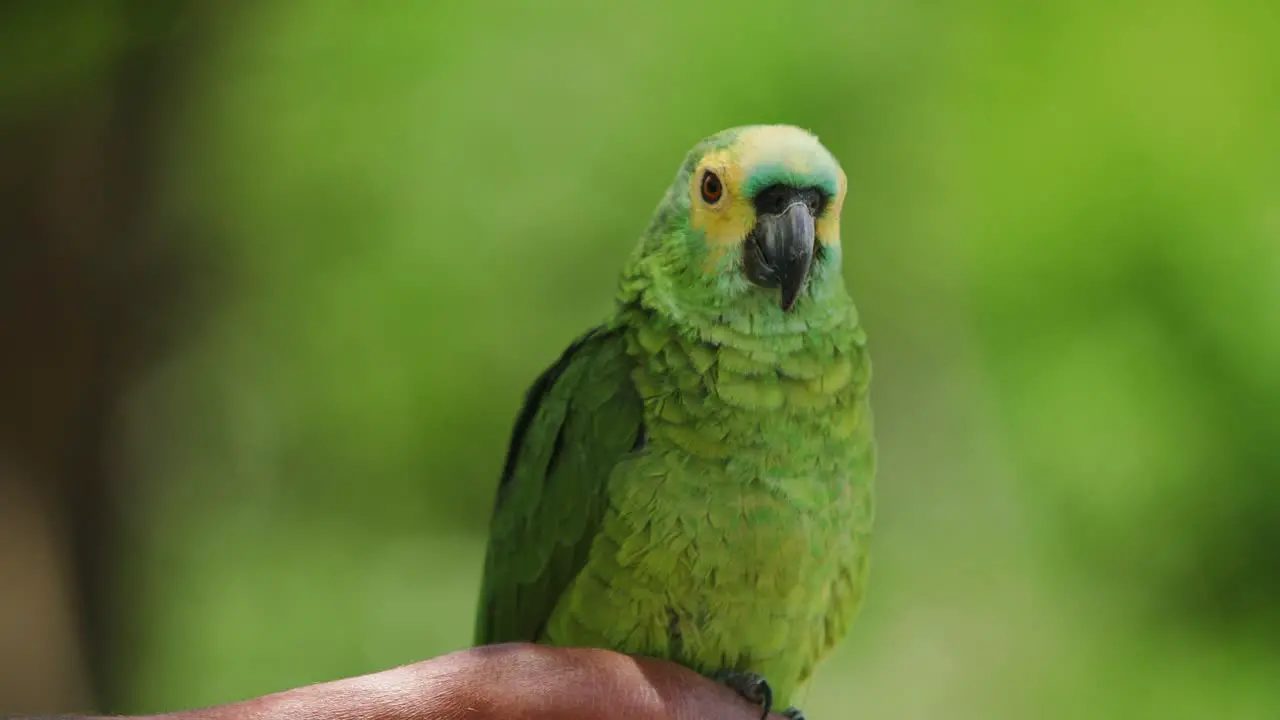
x,y
718,383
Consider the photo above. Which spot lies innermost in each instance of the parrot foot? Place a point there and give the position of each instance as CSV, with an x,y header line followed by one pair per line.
x,y
752,687
793,713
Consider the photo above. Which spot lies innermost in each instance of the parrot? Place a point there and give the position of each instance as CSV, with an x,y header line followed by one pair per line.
x,y
692,479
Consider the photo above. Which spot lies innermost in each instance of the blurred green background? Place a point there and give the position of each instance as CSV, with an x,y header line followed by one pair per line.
x,y
275,276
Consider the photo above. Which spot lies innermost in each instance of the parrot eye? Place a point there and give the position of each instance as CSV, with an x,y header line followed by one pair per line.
x,y
711,188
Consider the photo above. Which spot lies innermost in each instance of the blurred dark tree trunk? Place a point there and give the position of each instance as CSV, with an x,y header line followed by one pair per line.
x,y
88,285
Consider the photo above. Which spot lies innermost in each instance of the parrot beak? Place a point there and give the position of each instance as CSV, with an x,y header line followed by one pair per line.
x,y
779,250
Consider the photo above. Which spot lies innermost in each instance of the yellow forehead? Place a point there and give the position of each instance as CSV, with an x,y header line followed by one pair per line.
x,y
726,223
755,146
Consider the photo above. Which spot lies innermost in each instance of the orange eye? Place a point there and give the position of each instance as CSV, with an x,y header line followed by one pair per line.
x,y
712,189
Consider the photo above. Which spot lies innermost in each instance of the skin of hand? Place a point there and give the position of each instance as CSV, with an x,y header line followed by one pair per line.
x,y
514,681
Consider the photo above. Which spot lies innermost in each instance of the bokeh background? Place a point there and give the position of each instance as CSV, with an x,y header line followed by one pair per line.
x,y
274,277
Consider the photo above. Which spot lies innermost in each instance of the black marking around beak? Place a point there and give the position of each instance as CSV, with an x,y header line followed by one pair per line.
x,y
778,252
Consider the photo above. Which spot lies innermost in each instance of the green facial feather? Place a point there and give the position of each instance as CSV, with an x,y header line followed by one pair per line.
x,y
692,480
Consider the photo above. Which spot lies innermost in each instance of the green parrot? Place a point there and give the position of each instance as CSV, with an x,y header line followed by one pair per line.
x,y
692,479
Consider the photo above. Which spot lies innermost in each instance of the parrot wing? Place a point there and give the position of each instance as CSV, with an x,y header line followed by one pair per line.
x,y
844,605
846,593
580,418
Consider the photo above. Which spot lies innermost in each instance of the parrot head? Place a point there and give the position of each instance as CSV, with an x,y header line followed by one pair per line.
x,y
751,222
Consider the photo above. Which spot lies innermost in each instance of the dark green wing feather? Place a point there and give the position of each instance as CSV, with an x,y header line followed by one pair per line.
x,y
580,418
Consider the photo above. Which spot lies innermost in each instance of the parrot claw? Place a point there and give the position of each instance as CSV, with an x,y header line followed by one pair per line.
x,y
793,713
752,687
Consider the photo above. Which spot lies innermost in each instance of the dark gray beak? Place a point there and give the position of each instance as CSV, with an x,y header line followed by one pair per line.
x,y
778,252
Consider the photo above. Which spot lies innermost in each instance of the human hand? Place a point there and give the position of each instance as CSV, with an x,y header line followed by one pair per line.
x,y
507,682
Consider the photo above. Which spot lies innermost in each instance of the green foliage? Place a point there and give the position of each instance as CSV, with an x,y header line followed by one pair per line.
x,y
1061,233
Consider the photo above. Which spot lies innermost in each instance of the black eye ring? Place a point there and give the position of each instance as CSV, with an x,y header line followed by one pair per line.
x,y
712,188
